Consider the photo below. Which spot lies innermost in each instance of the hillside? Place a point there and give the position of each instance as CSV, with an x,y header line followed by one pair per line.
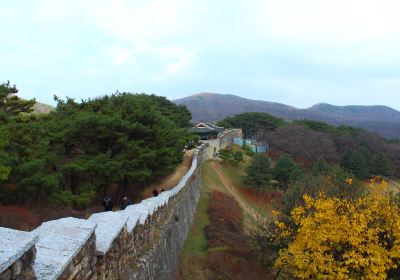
x,y
41,108
210,106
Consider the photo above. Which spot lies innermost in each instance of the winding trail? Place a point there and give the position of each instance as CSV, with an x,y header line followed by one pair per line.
x,y
254,215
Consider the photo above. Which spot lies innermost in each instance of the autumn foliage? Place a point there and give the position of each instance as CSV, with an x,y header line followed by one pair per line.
x,y
333,238
229,254
18,217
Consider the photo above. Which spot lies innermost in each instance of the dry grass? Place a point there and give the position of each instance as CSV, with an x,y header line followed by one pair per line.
x,y
25,218
217,246
262,201
230,255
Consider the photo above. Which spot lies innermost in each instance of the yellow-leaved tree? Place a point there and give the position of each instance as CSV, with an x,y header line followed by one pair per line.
x,y
342,239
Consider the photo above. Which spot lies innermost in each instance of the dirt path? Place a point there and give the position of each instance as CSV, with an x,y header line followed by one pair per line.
x,y
172,180
234,192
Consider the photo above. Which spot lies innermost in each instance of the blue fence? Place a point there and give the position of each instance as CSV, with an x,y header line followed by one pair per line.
x,y
257,148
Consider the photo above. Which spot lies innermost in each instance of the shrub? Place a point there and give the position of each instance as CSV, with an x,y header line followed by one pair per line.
x,y
238,156
247,149
336,238
225,154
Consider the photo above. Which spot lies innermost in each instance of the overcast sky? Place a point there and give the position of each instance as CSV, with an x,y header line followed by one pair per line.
x,y
289,51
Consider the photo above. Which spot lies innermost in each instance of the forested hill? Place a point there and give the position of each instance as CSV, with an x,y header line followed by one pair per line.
x,y
41,108
363,153
211,106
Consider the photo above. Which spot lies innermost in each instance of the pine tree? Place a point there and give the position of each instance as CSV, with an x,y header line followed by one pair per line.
x,y
259,173
4,169
357,162
383,166
79,149
10,104
286,170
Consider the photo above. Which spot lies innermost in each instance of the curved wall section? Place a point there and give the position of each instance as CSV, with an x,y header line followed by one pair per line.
x,y
141,242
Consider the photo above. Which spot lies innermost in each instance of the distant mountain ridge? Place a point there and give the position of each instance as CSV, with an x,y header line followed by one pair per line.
x,y
212,107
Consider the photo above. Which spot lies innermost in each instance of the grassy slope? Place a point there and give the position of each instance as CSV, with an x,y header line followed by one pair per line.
x,y
196,243
195,254
235,172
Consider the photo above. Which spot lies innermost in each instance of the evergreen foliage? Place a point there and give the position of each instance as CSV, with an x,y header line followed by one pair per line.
x,y
237,156
363,164
252,124
286,171
4,169
357,163
259,172
383,166
327,128
225,154
76,151
247,149
10,104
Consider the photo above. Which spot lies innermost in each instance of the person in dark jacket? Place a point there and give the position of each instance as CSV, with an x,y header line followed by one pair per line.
x,y
125,202
107,203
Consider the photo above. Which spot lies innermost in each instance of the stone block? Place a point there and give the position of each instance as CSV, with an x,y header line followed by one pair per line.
x,y
109,226
13,245
60,241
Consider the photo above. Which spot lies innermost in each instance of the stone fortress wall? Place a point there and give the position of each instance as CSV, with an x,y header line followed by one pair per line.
x,y
143,241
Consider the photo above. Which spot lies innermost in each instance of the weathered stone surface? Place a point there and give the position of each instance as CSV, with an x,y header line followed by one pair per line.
x,y
59,242
142,210
13,245
22,268
82,266
109,226
112,265
6,275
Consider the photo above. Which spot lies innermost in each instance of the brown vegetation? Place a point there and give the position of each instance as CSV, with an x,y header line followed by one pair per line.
x,y
28,218
230,255
306,145
303,144
254,197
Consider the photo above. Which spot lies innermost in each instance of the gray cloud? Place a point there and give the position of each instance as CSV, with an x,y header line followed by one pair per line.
x,y
294,52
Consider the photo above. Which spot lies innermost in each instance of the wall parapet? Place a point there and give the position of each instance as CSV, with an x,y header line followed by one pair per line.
x,y
141,242
17,252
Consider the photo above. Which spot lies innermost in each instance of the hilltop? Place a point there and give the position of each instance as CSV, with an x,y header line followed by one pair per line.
x,y
41,108
212,107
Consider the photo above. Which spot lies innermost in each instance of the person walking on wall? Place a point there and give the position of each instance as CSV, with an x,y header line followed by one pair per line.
x,y
155,192
107,203
125,202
